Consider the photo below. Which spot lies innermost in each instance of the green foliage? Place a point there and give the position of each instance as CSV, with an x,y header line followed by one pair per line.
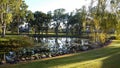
x,y
8,18
39,21
40,18
8,7
14,43
19,15
102,37
29,16
58,18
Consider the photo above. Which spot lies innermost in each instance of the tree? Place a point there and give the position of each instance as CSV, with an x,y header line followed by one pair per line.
x,y
58,18
104,21
80,19
48,20
39,20
71,22
29,18
76,22
19,15
7,6
115,6
65,19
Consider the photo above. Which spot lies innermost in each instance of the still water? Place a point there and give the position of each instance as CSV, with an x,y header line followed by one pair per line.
x,y
60,44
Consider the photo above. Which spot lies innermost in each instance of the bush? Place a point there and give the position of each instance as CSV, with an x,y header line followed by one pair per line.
x,y
13,43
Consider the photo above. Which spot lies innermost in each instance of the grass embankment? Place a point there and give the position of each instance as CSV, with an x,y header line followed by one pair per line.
x,y
14,42
106,57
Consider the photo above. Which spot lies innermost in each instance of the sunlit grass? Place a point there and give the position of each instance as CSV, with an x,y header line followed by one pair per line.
x,y
106,57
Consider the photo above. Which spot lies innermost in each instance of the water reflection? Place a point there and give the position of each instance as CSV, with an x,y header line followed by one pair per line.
x,y
55,44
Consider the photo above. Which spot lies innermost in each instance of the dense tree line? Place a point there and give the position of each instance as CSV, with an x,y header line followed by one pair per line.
x,y
97,20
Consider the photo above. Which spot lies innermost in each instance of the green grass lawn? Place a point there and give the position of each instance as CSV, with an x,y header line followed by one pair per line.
x,y
106,57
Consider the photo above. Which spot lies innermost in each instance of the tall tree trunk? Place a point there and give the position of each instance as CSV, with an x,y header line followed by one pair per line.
x,y
46,30
28,29
67,30
56,31
4,57
3,29
3,26
56,28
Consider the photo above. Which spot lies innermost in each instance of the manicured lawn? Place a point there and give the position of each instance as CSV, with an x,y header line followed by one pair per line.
x,y
106,57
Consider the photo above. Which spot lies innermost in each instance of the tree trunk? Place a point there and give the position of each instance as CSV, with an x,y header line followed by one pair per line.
x,y
28,29
56,28
18,30
67,30
3,26
56,31
18,26
3,29
46,30
4,58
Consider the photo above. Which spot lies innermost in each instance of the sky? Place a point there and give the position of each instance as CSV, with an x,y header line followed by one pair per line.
x,y
50,5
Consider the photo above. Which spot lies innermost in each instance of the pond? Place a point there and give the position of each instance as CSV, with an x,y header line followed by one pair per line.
x,y
61,44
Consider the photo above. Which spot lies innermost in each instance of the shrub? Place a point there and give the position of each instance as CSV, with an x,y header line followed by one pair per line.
x,y
14,43
102,37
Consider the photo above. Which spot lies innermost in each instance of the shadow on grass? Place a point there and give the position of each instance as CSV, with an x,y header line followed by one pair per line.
x,y
76,58
112,61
